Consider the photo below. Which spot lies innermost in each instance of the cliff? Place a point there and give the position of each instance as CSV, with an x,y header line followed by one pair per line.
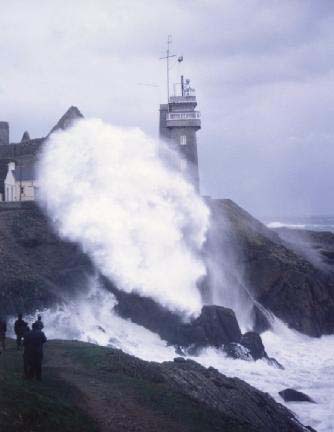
x,y
276,272
37,268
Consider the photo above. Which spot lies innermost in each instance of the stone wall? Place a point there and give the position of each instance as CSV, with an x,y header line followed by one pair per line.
x,y
4,133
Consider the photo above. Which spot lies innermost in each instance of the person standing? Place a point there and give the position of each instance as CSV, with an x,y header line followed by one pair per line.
x,y
20,327
33,352
39,323
3,329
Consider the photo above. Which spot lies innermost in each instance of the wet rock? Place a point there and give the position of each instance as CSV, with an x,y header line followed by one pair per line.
x,y
215,326
237,351
261,322
253,342
292,395
273,362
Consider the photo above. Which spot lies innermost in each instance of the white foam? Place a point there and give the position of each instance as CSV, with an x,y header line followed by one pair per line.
x,y
139,220
309,367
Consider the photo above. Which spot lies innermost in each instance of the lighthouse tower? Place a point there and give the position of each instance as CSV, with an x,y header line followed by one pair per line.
x,y
179,123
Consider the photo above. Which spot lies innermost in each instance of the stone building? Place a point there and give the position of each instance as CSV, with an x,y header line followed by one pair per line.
x,y
179,123
18,160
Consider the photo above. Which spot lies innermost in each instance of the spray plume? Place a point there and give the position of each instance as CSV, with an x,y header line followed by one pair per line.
x,y
140,221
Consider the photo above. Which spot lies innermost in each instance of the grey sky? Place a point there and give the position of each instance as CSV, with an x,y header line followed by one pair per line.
x,y
263,70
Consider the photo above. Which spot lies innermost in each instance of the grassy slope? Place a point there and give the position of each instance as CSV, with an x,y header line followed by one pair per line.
x,y
31,406
90,388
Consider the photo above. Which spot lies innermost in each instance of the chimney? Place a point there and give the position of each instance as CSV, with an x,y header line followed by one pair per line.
x,y
4,133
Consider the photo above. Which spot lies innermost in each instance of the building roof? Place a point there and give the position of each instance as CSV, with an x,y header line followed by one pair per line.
x,y
25,137
72,114
24,173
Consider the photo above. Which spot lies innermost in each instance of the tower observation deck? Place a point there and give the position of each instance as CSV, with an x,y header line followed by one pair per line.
x,y
179,122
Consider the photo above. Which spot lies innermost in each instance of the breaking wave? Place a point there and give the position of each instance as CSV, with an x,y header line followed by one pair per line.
x,y
134,214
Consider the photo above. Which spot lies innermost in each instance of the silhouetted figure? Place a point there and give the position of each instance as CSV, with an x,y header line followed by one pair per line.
x,y
26,365
33,352
20,327
39,323
3,329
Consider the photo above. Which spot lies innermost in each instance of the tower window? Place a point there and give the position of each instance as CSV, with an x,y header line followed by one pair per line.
x,y
183,139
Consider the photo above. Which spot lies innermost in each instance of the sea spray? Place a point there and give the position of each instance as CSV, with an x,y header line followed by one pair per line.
x,y
134,214
90,317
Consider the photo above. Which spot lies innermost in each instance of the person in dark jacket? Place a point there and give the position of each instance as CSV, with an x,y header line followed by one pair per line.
x,y
39,323
33,352
3,329
20,327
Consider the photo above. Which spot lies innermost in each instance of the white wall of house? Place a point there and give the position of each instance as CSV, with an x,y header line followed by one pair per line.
x,y
26,190
19,190
10,184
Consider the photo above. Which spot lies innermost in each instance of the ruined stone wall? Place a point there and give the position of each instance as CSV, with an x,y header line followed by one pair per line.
x,y
4,133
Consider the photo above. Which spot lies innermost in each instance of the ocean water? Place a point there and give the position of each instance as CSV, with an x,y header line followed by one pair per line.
x,y
312,223
308,362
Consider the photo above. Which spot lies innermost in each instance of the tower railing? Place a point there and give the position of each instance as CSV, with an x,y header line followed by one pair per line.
x,y
182,99
184,116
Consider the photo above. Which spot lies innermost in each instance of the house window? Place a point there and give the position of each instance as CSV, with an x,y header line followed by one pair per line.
x,y
183,139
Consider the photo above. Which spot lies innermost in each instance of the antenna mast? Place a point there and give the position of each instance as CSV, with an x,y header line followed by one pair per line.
x,y
167,57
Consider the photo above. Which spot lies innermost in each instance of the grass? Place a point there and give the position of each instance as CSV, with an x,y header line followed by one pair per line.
x,y
117,385
30,406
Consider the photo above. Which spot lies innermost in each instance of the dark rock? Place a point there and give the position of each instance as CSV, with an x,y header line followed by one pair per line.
x,y
273,362
237,351
316,246
250,348
215,326
261,321
291,395
253,342
37,269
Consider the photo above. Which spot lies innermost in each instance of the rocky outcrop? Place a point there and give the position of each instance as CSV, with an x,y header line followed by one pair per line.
x,y
37,268
273,273
249,348
253,342
243,407
215,326
316,246
291,395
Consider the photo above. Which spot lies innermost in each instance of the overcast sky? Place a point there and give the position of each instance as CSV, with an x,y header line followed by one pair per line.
x,y
263,71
